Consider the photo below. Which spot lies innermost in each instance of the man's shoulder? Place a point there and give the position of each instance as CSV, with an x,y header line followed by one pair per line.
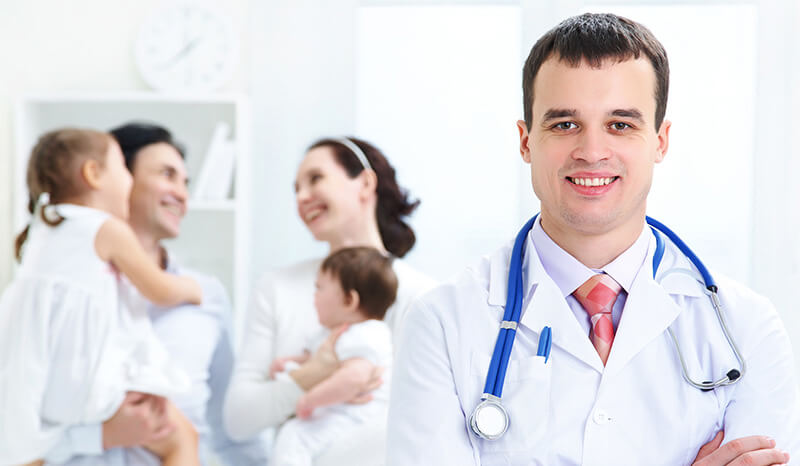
x,y
740,299
215,296
750,316
467,291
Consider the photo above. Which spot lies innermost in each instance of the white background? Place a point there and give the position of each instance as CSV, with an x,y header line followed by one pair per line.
x,y
437,86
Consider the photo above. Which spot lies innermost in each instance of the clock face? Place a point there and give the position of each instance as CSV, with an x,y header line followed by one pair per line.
x,y
186,47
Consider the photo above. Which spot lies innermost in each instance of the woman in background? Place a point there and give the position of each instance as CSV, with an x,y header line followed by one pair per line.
x,y
347,195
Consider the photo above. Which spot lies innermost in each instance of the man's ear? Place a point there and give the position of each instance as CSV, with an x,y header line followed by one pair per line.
x,y
663,140
523,141
90,173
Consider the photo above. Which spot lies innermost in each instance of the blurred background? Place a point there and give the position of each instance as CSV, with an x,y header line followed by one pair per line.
x,y
437,86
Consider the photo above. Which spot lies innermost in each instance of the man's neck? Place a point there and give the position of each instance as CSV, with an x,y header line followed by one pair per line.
x,y
152,246
594,250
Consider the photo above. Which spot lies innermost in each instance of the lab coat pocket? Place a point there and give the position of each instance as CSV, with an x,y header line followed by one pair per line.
x,y
526,398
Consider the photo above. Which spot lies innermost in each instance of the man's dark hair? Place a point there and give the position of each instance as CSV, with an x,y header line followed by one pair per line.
x,y
369,273
595,37
132,137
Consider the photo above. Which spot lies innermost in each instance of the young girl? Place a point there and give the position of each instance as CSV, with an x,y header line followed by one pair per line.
x,y
355,287
74,336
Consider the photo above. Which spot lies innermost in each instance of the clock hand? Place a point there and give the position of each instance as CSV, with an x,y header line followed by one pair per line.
x,y
185,50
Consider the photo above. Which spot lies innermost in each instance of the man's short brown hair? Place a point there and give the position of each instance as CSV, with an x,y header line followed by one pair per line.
x,y
367,272
596,37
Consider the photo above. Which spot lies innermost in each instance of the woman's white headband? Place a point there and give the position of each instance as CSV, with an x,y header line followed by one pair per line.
x,y
360,155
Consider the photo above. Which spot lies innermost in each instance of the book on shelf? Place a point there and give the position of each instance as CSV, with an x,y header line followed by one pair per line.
x,y
216,174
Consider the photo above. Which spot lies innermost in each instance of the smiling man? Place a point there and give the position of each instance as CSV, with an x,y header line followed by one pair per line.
x,y
606,386
197,337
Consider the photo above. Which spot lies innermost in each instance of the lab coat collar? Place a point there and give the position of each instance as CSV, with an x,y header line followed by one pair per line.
x,y
683,284
649,308
547,306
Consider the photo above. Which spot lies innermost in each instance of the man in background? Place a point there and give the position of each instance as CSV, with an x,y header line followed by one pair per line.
x,y
196,337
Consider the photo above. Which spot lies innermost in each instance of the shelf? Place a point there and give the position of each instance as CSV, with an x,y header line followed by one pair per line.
x,y
215,235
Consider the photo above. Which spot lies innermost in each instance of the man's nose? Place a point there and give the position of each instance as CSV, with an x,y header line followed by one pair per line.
x,y
181,191
592,146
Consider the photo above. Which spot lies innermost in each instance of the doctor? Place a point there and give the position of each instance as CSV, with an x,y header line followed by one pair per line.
x,y
612,389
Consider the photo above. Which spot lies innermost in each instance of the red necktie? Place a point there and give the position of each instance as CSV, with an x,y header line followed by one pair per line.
x,y
597,296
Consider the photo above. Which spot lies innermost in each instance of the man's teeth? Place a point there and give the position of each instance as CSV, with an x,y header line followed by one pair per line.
x,y
175,210
313,214
592,181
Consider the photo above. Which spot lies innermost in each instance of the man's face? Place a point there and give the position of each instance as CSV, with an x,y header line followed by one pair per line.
x,y
159,195
593,144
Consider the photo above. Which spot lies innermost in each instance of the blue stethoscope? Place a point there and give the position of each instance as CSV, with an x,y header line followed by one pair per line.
x,y
489,420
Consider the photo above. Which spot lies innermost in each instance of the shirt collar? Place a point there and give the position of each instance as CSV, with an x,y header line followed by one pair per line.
x,y
168,263
568,273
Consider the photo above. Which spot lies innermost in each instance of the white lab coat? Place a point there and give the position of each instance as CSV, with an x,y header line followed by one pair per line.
x,y
571,410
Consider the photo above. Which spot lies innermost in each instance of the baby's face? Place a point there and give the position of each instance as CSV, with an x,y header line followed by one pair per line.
x,y
330,300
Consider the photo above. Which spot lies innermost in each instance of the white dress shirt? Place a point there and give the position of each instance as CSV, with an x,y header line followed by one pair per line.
x,y
568,273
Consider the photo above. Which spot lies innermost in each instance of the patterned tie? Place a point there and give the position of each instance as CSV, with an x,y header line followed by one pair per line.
x,y
597,296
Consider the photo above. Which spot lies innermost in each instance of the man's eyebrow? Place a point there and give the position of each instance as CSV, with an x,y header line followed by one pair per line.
x,y
555,113
628,113
169,167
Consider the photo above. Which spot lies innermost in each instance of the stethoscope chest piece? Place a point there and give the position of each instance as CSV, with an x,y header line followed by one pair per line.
x,y
489,420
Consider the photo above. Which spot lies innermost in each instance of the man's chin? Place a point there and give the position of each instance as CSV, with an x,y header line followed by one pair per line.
x,y
169,231
168,226
592,222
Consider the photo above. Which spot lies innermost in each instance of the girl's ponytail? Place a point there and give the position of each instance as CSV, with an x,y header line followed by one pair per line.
x,y
54,161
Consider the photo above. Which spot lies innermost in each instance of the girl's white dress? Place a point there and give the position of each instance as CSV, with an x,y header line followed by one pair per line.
x,y
74,338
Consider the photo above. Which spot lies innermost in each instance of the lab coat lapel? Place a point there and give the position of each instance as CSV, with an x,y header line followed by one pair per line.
x,y
547,307
649,311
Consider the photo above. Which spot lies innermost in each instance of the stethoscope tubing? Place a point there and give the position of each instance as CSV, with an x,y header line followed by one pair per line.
x,y
497,367
505,340
708,280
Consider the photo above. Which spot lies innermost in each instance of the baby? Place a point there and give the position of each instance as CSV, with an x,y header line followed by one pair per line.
x,y
355,287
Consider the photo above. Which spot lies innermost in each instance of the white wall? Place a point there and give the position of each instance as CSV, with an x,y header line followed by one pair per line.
x,y
81,45
303,89
442,102
311,93
299,66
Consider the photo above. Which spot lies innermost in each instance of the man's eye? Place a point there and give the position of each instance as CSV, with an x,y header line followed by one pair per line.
x,y
315,178
565,125
620,126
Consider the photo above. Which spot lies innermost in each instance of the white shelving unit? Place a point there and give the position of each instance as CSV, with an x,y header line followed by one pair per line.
x,y
215,235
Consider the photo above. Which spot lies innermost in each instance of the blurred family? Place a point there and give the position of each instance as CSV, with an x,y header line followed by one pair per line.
x,y
112,353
